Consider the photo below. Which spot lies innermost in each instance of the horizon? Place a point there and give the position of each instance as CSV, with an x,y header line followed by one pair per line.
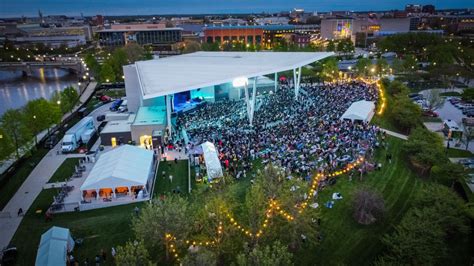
x,y
30,8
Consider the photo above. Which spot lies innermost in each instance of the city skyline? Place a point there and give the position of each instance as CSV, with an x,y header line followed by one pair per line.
x,y
167,7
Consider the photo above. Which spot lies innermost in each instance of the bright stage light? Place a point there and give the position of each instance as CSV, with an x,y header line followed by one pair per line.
x,y
240,82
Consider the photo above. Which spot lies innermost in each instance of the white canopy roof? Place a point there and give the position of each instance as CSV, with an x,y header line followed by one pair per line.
x,y
213,165
361,110
202,69
124,166
53,248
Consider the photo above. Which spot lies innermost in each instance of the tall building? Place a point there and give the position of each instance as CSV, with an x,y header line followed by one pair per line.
x,y
152,34
412,8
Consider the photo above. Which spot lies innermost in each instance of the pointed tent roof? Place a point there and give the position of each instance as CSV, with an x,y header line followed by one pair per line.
x,y
123,166
54,245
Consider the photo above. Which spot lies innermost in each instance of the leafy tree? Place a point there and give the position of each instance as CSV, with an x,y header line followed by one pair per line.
x,y
161,221
345,46
92,63
17,130
405,113
362,66
134,52
382,66
419,239
191,47
6,144
203,257
448,171
434,99
40,115
132,254
210,46
397,66
330,69
118,59
107,73
416,240
274,255
368,206
331,46
396,87
425,148
68,99
410,63
468,95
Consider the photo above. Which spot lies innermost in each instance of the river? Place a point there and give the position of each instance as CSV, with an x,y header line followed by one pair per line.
x,y
16,90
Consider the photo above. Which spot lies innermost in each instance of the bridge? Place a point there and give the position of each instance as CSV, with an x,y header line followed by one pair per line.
x,y
28,67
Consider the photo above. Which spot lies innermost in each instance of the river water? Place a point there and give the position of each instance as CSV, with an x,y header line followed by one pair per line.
x,y
16,90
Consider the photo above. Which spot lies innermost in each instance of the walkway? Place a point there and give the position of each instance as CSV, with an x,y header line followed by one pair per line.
x,y
395,134
28,192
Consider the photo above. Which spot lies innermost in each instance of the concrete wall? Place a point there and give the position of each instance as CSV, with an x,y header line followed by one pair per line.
x,y
132,88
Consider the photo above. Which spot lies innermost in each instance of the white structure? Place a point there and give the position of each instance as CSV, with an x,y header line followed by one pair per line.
x,y
361,111
147,82
54,246
213,165
123,170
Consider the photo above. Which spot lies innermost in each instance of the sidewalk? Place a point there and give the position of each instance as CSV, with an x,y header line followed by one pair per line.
x,y
395,134
28,192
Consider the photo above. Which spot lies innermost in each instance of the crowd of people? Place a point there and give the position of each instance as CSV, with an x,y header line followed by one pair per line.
x,y
300,134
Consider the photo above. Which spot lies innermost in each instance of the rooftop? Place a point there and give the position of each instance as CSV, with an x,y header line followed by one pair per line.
x,y
151,115
202,69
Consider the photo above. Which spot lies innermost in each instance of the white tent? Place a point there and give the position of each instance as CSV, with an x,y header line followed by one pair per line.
x,y
213,165
359,111
125,166
54,246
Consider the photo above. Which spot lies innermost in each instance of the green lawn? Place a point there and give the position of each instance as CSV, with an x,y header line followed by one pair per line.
x,y
344,240
457,153
65,170
14,183
179,171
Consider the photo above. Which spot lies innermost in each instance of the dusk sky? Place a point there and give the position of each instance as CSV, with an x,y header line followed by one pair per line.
x,y
11,8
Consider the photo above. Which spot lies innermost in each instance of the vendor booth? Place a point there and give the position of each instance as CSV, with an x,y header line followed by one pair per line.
x,y
213,165
361,111
122,172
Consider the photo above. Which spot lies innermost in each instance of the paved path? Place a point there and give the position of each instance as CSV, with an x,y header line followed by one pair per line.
x,y
395,134
28,192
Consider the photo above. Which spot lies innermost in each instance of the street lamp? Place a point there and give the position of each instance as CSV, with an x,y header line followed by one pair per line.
x,y
58,102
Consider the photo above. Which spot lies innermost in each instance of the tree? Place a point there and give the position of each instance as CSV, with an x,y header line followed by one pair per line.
x,y
396,87
368,206
107,73
69,99
92,63
132,254
331,46
330,69
416,240
362,66
118,59
382,66
203,257
434,99
17,130
468,95
397,66
6,144
274,255
162,222
39,115
405,113
425,148
448,171
134,52
191,47
419,239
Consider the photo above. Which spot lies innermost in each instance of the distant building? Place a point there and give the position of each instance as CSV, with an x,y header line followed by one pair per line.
x,y
411,8
301,40
263,35
97,20
430,9
272,21
152,34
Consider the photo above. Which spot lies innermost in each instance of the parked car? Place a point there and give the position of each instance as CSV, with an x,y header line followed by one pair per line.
x,y
415,95
430,113
100,118
470,114
105,99
466,161
51,141
115,105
